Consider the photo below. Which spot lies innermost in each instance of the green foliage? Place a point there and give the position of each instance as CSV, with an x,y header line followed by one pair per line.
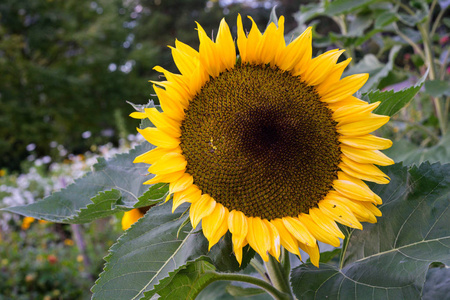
x,y
112,186
389,259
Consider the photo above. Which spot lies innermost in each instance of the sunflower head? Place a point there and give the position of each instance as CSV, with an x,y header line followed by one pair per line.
x,y
273,148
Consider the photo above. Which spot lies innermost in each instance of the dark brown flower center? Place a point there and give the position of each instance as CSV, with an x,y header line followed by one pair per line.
x,y
260,141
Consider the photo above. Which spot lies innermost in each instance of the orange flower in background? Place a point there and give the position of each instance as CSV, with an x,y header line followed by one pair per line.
x,y
131,217
26,222
273,148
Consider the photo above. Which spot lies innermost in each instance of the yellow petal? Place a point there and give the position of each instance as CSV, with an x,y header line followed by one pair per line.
x,y
130,217
171,106
348,114
366,156
181,184
354,188
338,212
319,67
215,225
274,240
272,41
169,177
201,208
286,239
360,211
299,230
191,195
349,101
238,225
372,208
362,127
153,155
209,58
297,53
138,115
259,237
318,232
164,123
181,81
333,77
185,58
169,163
313,252
241,40
225,46
360,174
367,142
253,40
325,222
343,88
159,138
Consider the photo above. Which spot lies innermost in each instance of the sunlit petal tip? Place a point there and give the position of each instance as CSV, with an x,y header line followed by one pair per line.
x,y
259,237
202,208
138,115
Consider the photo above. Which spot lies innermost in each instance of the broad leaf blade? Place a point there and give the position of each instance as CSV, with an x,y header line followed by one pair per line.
x,y
113,185
392,102
389,260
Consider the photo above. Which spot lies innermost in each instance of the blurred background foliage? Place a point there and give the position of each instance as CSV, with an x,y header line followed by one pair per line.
x,y
68,67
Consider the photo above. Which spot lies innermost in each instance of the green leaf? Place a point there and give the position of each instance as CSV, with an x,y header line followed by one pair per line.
x,y
114,185
238,291
154,249
219,291
345,6
273,17
146,253
437,88
385,19
390,259
187,283
327,256
409,153
419,16
392,102
377,71
437,284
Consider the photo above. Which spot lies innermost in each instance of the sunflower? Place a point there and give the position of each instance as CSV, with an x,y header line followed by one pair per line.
x,y
271,146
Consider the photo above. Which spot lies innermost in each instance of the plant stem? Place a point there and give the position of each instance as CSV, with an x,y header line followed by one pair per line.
x,y
259,268
277,275
276,294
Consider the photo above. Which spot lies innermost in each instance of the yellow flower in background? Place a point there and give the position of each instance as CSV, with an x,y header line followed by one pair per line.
x,y
131,217
26,222
273,148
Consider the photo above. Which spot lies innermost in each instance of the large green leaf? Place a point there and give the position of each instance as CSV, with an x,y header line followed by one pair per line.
x,y
437,88
345,6
154,249
392,102
409,153
113,185
389,260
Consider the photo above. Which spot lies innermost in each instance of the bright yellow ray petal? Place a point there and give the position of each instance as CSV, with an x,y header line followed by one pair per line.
x,y
238,226
169,163
313,251
298,230
165,177
259,237
348,114
215,225
201,208
274,240
225,46
185,63
338,212
209,57
153,155
180,80
344,88
172,107
241,40
325,222
271,42
318,232
130,217
296,52
349,101
333,77
138,115
354,188
286,239
367,142
366,156
319,67
361,175
362,127
253,39
159,138
181,184
190,195
372,208
360,211
162,122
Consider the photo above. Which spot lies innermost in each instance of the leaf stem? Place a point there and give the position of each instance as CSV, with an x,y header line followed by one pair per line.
x,y
259,268
277,274
275,293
